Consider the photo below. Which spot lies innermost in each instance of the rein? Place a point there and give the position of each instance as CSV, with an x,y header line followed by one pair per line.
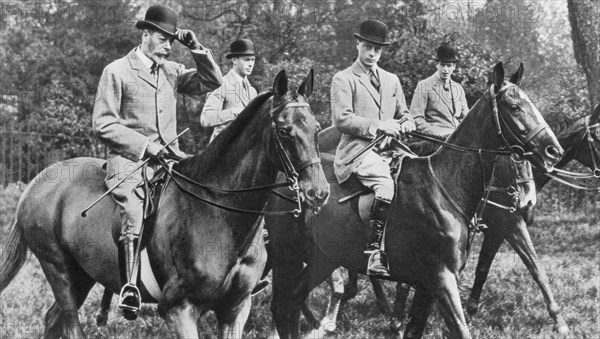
x,y
561,175
188,184
474,223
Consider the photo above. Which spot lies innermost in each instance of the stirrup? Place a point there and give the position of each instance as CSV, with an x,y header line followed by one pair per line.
x,y
125,307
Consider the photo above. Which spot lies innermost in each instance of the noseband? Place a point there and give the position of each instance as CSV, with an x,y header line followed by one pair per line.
x,y
518,150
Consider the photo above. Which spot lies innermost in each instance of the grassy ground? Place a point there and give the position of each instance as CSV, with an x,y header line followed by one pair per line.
x,y
512,306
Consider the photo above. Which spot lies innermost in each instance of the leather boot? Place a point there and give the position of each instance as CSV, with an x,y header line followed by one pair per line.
x,y
129,298
377,266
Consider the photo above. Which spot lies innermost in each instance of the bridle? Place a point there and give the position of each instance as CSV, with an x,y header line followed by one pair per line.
x,y
561,175
290,170
515,151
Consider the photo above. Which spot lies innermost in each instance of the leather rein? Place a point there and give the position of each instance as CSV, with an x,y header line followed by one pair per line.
x,y
561,175
516,153
188,184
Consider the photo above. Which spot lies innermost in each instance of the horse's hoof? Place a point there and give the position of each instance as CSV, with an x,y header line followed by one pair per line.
x,y
101,318
130,315
328,326
472,307
562,330
395,325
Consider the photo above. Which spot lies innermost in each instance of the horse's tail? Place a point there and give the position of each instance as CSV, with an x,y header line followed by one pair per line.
x,y
13,256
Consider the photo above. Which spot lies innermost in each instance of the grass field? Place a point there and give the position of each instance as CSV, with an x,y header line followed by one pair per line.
x,y
512,306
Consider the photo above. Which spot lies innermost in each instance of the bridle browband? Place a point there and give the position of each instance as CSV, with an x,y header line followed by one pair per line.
x,y
290,171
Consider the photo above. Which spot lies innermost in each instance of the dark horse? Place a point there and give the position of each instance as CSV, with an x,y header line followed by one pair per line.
x,y
580,138
204,256
580,144
428,227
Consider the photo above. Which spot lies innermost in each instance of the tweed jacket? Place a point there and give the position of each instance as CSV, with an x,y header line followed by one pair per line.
x,y
357,108
223,104
133,108
437,111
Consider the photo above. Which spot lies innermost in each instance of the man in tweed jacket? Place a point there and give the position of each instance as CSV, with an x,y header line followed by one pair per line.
x,y
225,103
439,103
135,116
365,100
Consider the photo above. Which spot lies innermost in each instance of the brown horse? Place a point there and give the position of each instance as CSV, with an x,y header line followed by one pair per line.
x,y
581,139
206,251
512,188
428,227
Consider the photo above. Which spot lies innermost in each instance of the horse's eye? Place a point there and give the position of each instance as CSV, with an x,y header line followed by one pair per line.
x,y
284,132
514,107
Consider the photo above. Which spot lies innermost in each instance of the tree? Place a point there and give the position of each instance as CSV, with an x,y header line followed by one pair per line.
x,y
584,16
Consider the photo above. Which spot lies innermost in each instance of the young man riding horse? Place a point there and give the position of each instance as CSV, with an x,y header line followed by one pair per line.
x,y
365,101
439,103
134,116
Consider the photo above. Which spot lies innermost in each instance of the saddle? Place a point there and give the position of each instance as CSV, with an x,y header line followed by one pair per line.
x,y
352,187
150,191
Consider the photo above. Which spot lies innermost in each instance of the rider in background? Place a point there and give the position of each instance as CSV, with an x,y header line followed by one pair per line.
x,y
439,103
225,103
365,100
134,116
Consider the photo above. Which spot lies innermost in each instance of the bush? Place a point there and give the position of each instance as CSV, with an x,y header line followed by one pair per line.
x,y
9,197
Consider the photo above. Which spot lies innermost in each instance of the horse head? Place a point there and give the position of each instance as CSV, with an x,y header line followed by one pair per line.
x,y
296,129
519,123
593,142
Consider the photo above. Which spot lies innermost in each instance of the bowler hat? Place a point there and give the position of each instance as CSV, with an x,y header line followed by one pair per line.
x,y
159,18
242,47
445,54
373,31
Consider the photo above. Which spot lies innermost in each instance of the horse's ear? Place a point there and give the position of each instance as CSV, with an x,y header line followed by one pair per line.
x,y
498,76
280,85
306,88
595,117
516,78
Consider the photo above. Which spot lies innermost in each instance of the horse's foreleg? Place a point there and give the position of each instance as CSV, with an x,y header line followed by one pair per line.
x,y
398,315
53,328
491,243
519,239
351,288
445,291
102,313
336,282
418,314
382,302
231,323
182,319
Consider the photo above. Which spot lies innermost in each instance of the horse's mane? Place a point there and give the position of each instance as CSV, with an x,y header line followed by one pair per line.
x,y
196,165
423,148
560,124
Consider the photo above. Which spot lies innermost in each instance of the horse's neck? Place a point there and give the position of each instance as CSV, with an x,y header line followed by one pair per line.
x,y
247,162
576,149
464,174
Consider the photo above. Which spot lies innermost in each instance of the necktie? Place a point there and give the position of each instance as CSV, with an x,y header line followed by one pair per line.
x,y
154,69
374,80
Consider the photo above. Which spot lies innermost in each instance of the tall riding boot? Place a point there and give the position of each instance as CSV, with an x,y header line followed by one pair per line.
x,y
129,298
377,265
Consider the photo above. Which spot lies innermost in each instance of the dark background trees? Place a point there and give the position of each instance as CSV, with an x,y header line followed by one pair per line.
x,y
52,54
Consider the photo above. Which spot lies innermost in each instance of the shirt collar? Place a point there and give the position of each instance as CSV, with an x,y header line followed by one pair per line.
x,y
442,80
366,70
145,60
238,78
